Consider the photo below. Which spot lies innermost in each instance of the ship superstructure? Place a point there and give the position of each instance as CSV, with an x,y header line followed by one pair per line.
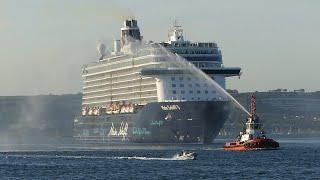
x,y
206,56
144,92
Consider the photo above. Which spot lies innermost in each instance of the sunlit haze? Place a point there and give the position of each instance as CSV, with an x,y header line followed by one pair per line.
x,y
43,44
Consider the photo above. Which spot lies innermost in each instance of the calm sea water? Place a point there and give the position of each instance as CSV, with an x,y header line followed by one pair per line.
x,y
297,159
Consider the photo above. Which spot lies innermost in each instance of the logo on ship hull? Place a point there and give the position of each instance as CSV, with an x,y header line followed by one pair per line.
x,y
170,107
123,131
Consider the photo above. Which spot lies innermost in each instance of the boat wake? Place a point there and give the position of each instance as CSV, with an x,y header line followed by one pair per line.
x,y
174,158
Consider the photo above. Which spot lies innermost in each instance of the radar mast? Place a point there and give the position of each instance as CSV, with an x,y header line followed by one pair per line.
x,y
175,33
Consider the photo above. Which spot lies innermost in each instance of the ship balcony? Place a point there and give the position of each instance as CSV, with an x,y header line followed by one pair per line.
x,y
143,99
124,81
189,44
227,72
207,65
121,96
108,86
114,68
118,75
116,88
120,91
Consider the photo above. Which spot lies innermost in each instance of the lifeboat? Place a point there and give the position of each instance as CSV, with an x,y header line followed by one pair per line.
x,y
253,137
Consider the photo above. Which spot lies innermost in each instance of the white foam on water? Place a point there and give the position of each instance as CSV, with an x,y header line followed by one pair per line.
x,y
174,158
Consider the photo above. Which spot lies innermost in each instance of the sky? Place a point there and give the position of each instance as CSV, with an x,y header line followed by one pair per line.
x,y
44,43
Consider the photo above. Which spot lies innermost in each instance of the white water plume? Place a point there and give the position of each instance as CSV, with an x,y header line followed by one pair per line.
x,y
171,61
196,70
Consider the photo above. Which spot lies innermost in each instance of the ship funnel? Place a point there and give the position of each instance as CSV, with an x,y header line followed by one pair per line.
x,y
130,32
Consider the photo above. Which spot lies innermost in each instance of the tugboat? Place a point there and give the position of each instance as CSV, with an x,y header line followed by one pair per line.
x,y
252,137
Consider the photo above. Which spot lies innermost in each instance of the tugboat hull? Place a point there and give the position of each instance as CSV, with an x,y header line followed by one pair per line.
x,y
255,144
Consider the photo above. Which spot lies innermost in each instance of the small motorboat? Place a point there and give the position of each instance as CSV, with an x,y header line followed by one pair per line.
x,y
252,137
184,155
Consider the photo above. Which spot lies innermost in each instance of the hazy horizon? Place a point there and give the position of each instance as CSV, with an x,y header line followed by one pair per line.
x,y
43,44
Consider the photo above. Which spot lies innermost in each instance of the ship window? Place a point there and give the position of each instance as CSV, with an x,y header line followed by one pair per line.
x,y
180,78
198,92
173,85
206,91
190,85
182,92
191,92
192,98
213,92
189,79
183,98
181,85
198,85
174,92
173,78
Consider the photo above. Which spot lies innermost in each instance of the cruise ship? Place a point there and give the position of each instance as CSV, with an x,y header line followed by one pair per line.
x,y
148,92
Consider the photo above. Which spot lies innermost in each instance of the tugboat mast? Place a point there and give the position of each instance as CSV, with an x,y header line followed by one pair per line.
x,y
253,107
